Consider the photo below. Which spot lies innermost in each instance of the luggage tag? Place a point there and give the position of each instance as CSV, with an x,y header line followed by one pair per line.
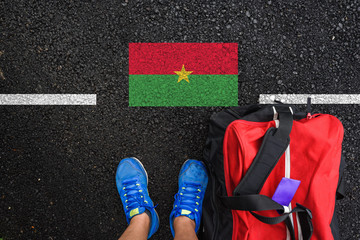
x,y
285,191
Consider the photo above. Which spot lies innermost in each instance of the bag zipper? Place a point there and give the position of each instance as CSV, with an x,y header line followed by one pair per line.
x,y
308,108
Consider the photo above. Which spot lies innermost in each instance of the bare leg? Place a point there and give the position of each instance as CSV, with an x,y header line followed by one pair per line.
x,y
184,228
138,228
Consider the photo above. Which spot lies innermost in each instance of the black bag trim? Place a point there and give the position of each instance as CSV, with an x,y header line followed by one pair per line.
x,y
340,191
340,194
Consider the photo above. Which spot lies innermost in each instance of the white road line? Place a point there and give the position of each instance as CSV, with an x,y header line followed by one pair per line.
x,y
315,98
47,99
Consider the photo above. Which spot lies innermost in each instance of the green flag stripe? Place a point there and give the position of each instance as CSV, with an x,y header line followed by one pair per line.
x,y
164,90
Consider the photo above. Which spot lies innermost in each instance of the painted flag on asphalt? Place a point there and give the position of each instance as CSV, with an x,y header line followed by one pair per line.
x,y
183,74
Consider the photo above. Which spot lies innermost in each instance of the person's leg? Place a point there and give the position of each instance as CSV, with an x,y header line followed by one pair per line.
x,y
184,228
138,228
186,214
131,182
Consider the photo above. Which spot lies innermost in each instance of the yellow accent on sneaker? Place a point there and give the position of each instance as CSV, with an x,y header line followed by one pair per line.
x,y
134,212
185,212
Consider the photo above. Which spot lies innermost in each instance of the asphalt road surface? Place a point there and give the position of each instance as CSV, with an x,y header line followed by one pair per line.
x,y
57,163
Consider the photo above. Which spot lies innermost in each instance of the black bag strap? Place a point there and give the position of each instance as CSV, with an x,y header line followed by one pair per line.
x,y
251,202
256,202
274,144
305,217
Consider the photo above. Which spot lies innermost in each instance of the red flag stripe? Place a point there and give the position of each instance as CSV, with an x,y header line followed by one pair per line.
x,y
165,58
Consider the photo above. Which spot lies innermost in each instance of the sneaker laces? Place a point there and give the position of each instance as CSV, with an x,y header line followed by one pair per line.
x,y
134,196
188,197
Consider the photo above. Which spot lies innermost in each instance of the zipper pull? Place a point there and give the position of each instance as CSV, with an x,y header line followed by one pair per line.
x,y
308,108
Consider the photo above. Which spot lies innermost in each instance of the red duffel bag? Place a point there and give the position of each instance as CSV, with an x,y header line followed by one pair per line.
x,y
274,174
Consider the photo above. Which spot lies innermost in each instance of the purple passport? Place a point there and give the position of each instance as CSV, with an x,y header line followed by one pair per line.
x,y
285,191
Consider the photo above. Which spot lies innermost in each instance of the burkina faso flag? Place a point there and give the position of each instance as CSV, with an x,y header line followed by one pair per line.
x,y
183,74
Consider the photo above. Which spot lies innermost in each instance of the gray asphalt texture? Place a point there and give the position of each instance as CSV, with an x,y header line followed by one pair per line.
x,y
57,163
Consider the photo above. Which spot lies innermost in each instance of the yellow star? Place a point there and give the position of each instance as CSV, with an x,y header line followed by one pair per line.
x,y
183,74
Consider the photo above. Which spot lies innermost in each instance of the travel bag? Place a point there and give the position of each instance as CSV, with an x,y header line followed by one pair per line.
x,y
274,173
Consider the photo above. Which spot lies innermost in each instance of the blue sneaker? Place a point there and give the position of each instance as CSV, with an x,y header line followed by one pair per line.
x,y
193,180
131,182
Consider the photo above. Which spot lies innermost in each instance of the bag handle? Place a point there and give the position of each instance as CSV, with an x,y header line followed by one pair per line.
x,y
275,142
